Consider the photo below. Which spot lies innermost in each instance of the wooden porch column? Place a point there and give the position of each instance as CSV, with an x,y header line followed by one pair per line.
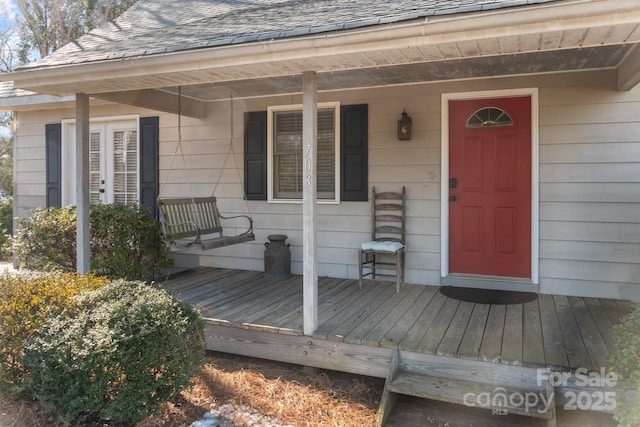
x,y
82,183
309,195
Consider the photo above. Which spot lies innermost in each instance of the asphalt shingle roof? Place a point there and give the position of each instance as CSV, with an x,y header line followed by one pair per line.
x,y
161,26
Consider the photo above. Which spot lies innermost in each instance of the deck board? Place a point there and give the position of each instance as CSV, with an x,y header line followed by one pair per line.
x,y
554,331
360,319
409,318
371,330
512,336
231,290
432,338
552,341
594,343
339,325
452,338
602,321
472,339
576,350
491,346
532,351
380,330
418,330
245,302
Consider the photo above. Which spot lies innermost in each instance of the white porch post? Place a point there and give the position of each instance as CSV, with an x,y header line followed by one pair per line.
x,y
82,183
309,195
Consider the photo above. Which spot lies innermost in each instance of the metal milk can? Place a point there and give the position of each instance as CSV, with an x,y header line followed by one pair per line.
x,y
277,258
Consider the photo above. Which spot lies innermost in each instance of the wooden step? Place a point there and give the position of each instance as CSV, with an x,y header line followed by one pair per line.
x,y
521,393
533,402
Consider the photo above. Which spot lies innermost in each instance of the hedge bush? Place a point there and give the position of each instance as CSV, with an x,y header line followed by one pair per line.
x,y
27,300
626,363
124,350
125,242
6,221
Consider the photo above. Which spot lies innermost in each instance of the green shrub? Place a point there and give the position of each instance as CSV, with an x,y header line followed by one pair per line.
x,y
6,220
47,239
26,302
626,363
126,349
125,241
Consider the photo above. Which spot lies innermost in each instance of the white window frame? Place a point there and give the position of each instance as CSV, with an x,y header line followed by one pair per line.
x,y
270,164
96,124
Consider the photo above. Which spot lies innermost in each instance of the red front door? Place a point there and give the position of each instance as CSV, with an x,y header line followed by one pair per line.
x,y
490,187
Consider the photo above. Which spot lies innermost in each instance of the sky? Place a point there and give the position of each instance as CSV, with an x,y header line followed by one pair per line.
x,y
8,10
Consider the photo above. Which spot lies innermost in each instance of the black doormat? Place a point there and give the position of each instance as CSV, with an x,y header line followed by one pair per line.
x,y
487,296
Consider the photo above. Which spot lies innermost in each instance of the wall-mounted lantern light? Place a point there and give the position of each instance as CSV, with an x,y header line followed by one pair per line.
x,y
404,127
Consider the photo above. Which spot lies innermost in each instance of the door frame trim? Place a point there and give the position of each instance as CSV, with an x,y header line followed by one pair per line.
x,y
535,172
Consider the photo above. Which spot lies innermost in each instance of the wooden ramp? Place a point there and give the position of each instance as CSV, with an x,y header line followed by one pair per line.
x,y
359,329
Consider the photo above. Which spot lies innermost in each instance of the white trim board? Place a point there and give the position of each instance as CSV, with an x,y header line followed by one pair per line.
x,y
535,174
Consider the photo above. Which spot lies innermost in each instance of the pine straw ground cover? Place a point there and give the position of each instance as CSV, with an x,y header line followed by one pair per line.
x,y
286,393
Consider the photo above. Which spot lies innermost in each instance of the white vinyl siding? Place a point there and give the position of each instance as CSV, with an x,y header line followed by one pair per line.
x,y
589,186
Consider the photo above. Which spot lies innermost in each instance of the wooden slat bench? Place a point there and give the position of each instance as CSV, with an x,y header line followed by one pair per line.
x,y
196,221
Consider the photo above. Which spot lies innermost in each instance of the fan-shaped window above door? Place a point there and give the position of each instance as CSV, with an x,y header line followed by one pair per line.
x,y
489,117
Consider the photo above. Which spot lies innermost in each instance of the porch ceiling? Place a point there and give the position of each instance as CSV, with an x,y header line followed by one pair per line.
x,y
601,57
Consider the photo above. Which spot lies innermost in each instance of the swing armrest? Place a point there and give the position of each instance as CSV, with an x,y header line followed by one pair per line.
x,y
249,230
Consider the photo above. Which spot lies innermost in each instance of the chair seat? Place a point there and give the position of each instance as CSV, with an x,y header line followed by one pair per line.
x,y
382,246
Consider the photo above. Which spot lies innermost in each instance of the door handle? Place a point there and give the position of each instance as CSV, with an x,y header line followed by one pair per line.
x,y
453,198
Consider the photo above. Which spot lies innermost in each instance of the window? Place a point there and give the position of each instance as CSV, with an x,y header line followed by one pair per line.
x,y
113,162
125,167
489,117
286,156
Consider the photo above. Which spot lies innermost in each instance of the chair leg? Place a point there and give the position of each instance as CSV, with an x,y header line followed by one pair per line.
x,y
360,268
403,259
373,260
398,270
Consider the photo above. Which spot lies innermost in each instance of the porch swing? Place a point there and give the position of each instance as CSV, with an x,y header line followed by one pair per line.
x,y
194,222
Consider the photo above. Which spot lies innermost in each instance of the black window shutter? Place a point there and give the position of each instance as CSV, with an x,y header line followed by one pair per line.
x,y
354,151
53,154
255,155
149,158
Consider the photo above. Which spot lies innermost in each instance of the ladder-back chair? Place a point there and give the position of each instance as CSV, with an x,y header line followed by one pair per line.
x,y
386,250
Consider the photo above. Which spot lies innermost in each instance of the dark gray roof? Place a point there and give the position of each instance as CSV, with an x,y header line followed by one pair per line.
x,y
162,26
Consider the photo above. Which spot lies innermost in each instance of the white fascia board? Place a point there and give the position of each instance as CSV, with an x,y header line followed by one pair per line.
x,y
18,103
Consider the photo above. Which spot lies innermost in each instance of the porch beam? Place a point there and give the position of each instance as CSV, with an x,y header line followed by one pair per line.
x,y
82,184
157,100
629,70
309,196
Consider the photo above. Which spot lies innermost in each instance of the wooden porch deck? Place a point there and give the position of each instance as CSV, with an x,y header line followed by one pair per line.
x,y
253,316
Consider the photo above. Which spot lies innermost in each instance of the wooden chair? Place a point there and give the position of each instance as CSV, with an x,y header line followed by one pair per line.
x,y
386,250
